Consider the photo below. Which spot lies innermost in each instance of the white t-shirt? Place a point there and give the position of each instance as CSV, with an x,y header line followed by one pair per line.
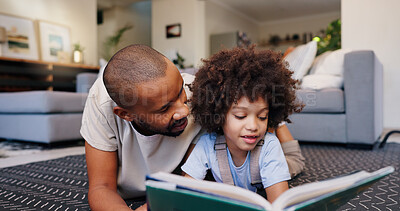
x,y
272,163
138,155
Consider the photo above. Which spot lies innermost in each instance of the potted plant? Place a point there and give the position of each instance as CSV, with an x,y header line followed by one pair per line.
x,y
77,56
110,46
332,39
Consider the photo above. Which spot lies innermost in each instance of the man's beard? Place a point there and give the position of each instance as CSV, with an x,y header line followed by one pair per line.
x,y
150,129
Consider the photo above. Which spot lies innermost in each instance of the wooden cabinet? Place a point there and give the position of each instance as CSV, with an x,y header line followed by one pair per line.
x,y
25,75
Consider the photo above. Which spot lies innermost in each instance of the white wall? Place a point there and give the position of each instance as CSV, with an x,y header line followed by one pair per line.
x,y
79,16
373,24
136,14
221,19
190,14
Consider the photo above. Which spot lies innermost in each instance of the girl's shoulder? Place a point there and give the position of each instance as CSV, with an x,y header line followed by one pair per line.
x,y
207,139
269,137
270,140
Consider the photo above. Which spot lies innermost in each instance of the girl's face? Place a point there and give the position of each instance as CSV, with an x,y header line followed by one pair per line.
x,y
246,124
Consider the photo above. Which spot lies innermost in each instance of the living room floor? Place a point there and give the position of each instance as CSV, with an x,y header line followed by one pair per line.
x,y
13,153
23,155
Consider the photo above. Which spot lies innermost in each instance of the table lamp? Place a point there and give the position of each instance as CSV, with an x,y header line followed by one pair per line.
x,y
3,38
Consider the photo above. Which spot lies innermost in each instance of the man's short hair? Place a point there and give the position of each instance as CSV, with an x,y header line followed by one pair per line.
x,y
129,67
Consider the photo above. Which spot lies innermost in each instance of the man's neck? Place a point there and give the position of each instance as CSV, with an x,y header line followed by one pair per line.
x,y
141,130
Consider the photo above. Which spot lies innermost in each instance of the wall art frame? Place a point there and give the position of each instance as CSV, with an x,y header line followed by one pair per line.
x,y
54,38
21,40
174,30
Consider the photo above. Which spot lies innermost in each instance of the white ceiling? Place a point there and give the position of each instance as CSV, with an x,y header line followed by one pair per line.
x,y
260,11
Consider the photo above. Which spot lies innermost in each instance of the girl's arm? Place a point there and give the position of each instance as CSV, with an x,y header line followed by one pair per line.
x,y
187,175
291,149
274,191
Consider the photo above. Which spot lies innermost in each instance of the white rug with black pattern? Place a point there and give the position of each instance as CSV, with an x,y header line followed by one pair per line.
x,y
61,184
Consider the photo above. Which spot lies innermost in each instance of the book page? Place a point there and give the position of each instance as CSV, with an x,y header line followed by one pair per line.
x,y
309,191
221,189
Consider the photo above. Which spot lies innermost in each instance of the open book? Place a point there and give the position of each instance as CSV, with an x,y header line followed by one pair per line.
x,y
172,192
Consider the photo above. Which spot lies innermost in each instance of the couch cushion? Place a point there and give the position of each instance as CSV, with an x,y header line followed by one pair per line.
x,y
42,102
44,128
318,61
319,81
333,63
322,101
84,82
320,127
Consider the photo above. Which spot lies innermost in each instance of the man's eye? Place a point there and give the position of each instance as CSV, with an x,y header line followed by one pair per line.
x,y
263,118
164,109
240,117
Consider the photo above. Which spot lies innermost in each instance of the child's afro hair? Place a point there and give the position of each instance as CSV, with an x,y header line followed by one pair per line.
x,y
242,72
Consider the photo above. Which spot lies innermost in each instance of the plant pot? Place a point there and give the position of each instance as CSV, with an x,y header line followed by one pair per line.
x,y
77,57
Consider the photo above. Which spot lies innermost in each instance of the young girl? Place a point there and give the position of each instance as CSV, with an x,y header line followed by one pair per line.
x,y
237,95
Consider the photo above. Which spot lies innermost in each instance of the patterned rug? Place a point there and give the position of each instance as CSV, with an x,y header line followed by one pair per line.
x,y
12,148
61,184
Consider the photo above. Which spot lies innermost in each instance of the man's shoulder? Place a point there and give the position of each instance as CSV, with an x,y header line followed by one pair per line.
x,y
98,93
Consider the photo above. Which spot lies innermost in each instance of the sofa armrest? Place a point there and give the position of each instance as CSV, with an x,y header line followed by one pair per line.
x,y
363,86
84,81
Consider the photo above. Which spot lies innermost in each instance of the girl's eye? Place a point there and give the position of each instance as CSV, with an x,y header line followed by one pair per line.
x,y
240,117
263,118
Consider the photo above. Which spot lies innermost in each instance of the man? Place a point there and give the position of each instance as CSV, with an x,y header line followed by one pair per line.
x,y
136,122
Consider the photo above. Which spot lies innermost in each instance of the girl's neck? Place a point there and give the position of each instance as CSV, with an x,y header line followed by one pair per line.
x,y
238,156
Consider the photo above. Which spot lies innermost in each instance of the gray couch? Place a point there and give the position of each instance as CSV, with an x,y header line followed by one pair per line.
x,y
352,115
44,116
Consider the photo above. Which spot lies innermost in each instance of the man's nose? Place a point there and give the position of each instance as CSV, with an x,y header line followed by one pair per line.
x,y
181,112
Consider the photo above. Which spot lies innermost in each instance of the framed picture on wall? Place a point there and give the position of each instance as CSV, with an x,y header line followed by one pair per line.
x,y
174,30
20,39
54,38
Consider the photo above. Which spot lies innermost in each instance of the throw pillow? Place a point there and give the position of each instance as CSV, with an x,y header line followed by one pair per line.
x,y
288,51
321,81
318,61
301,58
333,64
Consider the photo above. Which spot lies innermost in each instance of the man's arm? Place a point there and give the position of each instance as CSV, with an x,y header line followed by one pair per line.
x,y
102,169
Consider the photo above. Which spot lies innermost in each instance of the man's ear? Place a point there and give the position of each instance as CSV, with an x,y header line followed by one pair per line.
x,y
123,113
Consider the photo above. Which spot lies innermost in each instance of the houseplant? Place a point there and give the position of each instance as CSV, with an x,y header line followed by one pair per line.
x,y
111,43
332,39
77,55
